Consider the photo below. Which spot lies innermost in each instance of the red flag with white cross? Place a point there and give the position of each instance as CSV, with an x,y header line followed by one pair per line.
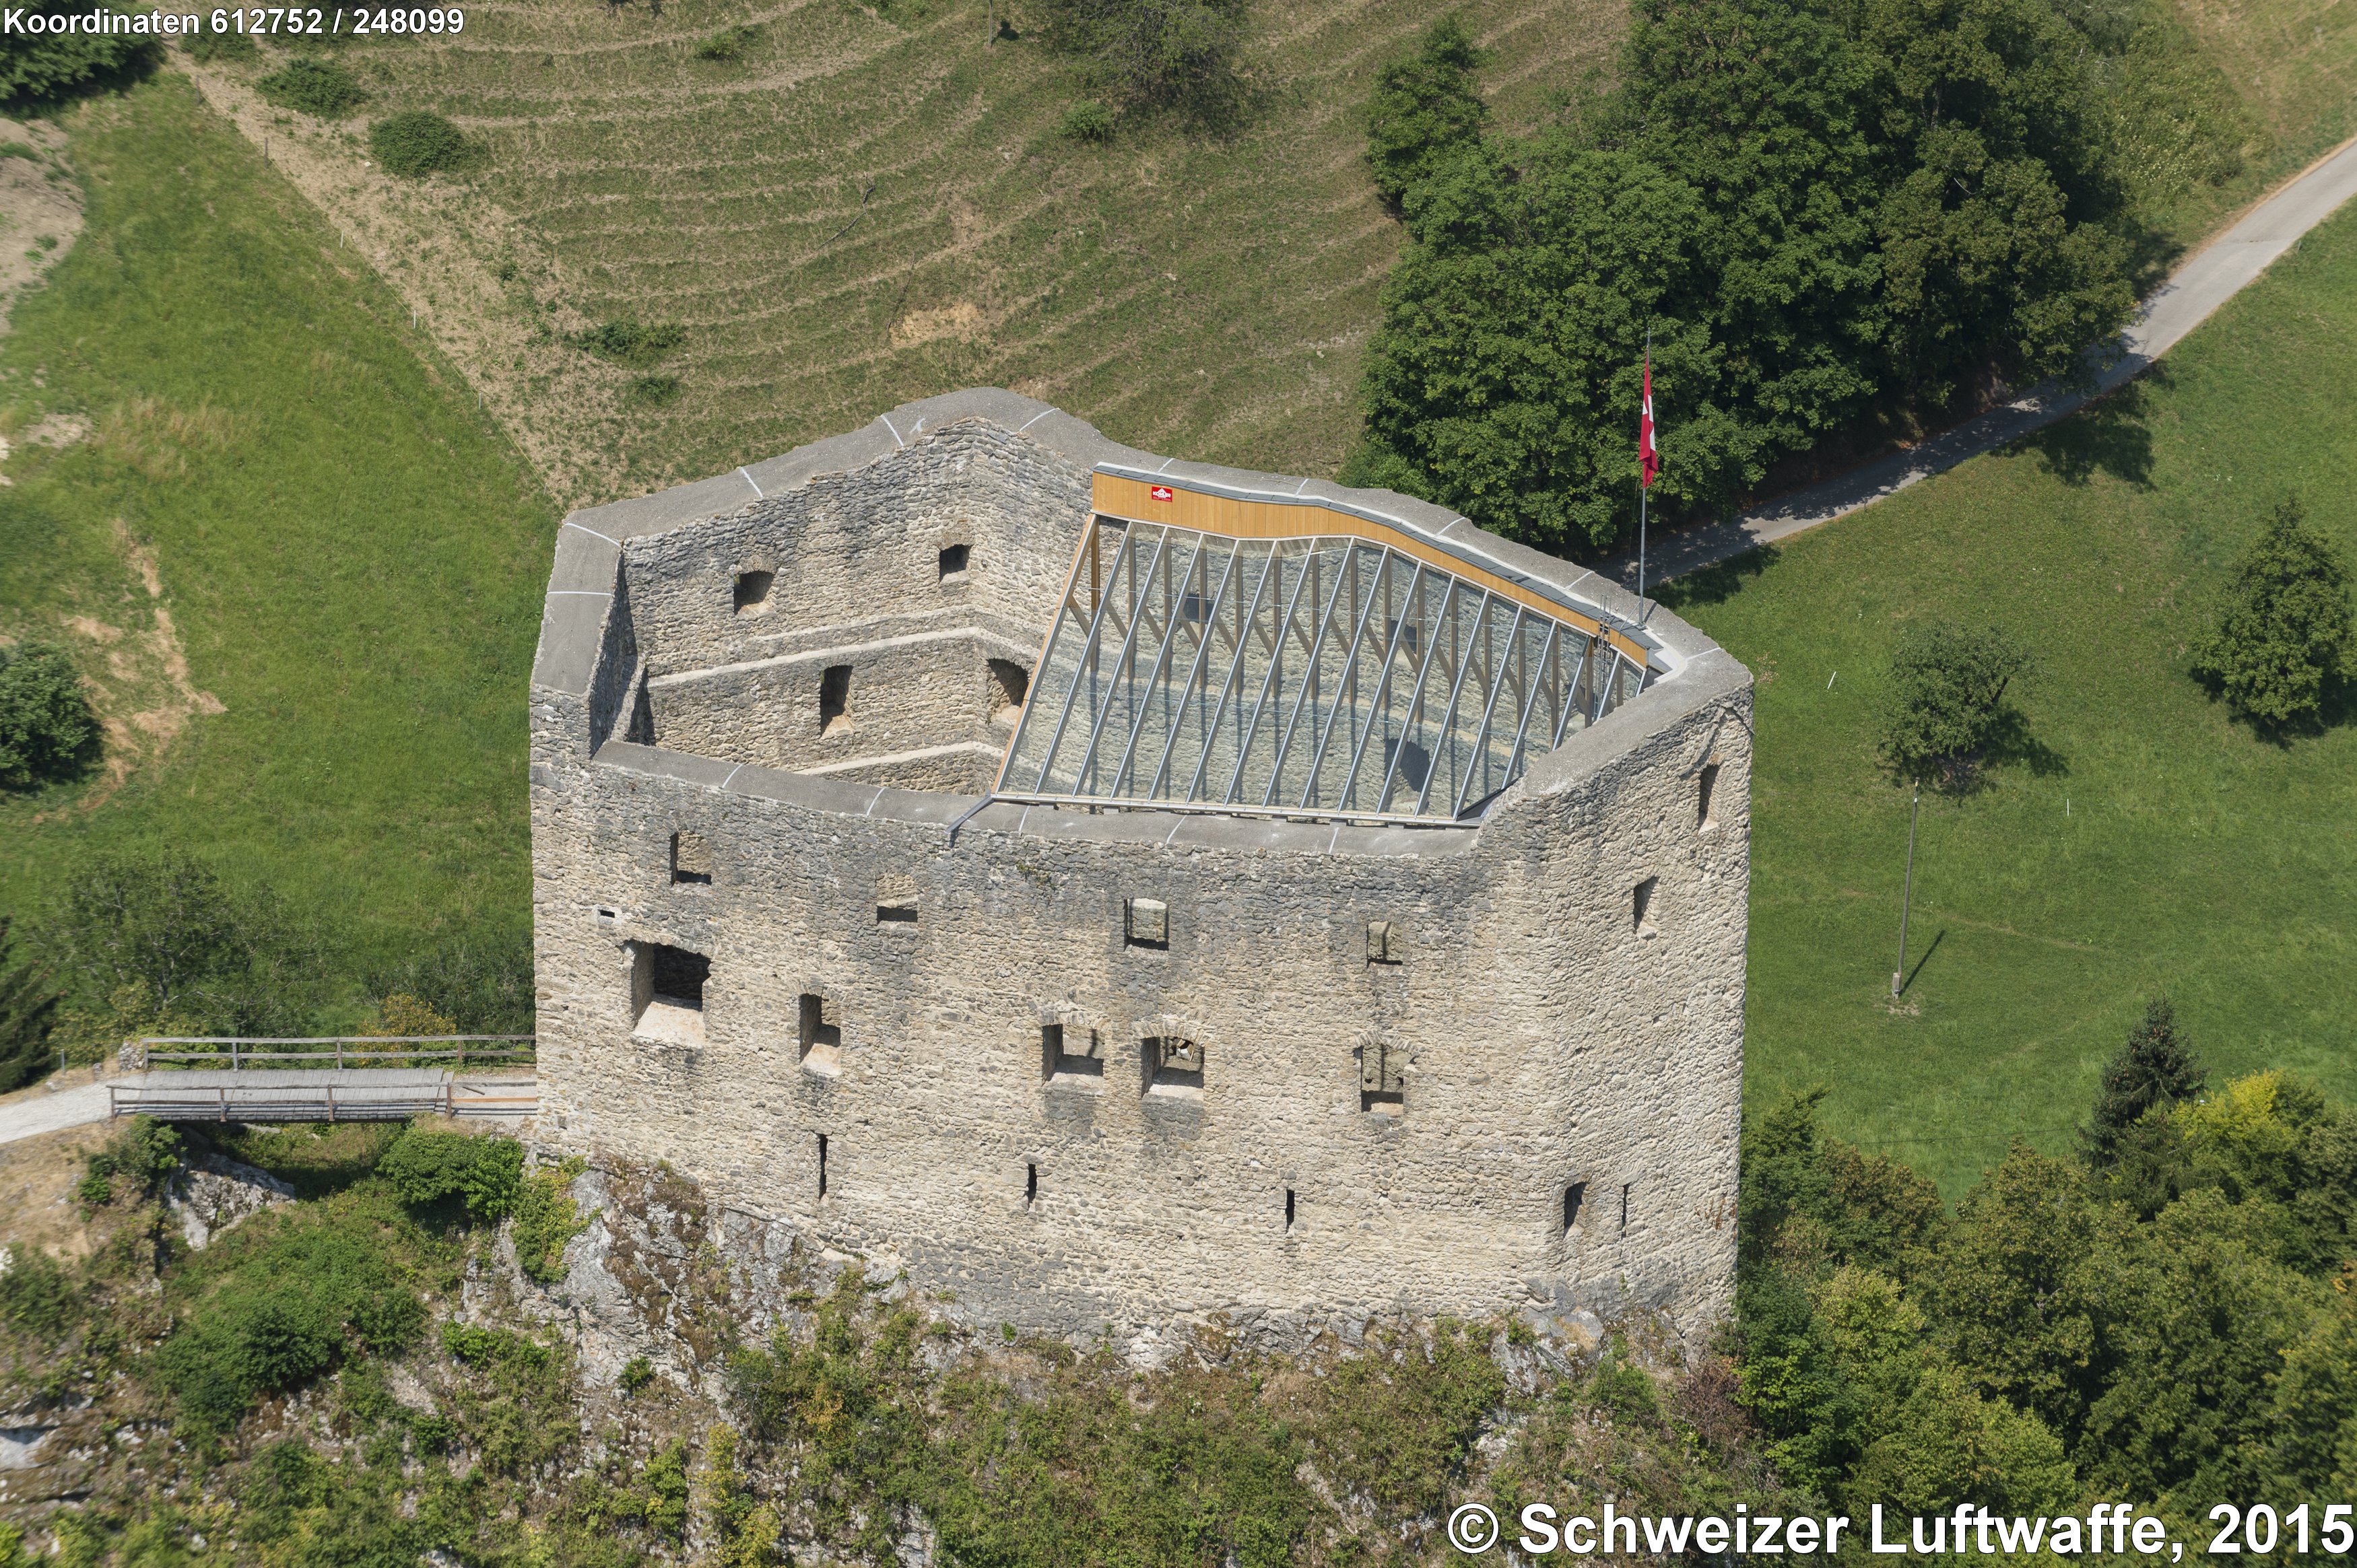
x,y
1649,456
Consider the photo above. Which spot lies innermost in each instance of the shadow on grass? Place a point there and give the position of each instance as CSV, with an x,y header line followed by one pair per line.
x,y
315,1159
1909,983
2111,436
1716,584
2336,708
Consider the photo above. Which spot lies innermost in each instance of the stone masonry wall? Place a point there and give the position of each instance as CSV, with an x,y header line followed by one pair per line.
x,y
1552,1040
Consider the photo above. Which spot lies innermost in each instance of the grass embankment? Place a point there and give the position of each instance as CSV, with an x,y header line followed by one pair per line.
x,y
346,551
869,205
2144,843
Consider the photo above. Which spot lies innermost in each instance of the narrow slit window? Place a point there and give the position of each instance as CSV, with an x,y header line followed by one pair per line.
x,y
1641,906
1289,1208
753,592
1705,789
821,1164
1572,1197
1030,1184
1625,1189
834,700
953,560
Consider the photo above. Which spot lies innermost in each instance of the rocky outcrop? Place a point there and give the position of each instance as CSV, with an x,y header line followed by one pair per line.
x,y
215,1194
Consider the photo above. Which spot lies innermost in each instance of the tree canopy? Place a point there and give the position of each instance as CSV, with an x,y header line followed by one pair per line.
x,y
2282,630
1816,207
1945,702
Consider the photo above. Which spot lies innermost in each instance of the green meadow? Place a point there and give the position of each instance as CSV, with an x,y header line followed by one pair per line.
x,y
350,553
2137,841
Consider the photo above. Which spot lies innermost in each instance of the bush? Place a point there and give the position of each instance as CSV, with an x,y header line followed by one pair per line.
x,y
545,1220
28,1007
415,143
308,1298
1168,54
480,983
46,728
727,44
626,341
49,65
158,946
35,1296
206,46
1946,697
1087,120
2282,631
652,391
425,1166
313,87
1425,111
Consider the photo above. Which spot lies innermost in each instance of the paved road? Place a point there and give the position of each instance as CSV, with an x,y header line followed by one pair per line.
x,y
52,1112
2201,284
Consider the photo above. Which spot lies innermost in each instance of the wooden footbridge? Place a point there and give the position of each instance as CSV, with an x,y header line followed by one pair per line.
x,y
338,1079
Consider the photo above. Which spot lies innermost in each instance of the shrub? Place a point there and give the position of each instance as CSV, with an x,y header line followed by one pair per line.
x,y
35,1296
1087,120
297,1305
46,728
425,1166
313,87
636,1374
1425,110
1946,701
2282,630
49,65
416,143
652,391
155,940
1172,54
727,44
545,1220
482,983
28,1008
626,341
204,45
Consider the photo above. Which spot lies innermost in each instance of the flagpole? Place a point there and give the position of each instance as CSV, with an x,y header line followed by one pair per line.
x,y
1641,501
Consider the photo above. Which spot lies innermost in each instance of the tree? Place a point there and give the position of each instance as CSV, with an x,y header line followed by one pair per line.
x,y
2155,1070
46,728
1156,54
46,65
2283,628
1425,110
28,1007
1946,701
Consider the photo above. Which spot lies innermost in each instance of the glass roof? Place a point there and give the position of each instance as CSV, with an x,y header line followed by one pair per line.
x,y
1327,675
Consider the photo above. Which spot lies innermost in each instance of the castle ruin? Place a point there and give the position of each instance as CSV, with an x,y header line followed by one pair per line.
x,y
1120,891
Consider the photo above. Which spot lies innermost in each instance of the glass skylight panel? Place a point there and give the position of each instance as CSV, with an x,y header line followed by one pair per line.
x,y
1324,676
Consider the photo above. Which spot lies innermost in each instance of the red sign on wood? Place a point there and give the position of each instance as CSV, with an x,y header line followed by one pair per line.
x,y
1160,492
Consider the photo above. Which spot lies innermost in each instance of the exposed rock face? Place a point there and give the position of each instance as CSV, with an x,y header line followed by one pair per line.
x,y
218,1193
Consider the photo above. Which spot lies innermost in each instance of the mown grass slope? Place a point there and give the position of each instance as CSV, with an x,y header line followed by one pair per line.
x,y
2141,843
348,553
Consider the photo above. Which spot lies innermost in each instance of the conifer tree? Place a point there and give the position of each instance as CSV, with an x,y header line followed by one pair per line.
x,y
2156,1068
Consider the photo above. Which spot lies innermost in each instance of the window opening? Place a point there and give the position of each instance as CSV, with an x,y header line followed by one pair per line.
x,y
1030,1184
1008,688
678,975
753,592
1385,942
1704,790
821,1035
1146,923
1077,1055
1382,1085
1572,1197
667,994
1624,1206
821,1164
1176,1064
1641,906
895,901
834,700
691,860
954,559
1289,1208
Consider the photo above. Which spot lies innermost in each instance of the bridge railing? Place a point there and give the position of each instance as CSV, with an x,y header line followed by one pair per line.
x,y
252,1052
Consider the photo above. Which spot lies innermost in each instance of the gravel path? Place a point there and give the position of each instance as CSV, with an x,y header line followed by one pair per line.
x,y
53,1112
2201,284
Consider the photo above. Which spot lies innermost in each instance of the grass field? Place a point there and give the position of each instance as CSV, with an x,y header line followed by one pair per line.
x,y
346,552
2142,844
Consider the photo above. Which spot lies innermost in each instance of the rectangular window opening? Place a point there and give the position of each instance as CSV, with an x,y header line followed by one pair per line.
x,y
667,994
1030,1184
895,901
835,698
953,560
691,860
1641,906
821,1164
1704,790
1146,923
1572,1197
1075,1058
753,592
821,1035
1174,1065
1010,687
1289,1208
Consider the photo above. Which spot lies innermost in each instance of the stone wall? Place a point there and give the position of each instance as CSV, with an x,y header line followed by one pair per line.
x,y
1545,1039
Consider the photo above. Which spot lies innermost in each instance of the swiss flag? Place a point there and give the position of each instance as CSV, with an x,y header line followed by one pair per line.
x,y
1649,456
